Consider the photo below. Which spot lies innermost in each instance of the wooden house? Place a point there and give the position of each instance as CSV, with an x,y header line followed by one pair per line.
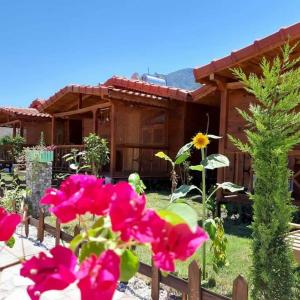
x,y
137,118
221,89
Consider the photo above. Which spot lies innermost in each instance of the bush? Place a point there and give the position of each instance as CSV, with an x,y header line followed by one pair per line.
x,y
96,152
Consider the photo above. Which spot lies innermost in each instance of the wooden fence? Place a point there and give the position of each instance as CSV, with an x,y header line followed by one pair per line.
x,y
190,289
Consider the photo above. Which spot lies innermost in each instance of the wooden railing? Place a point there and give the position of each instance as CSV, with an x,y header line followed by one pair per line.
x,y
59,163
5,154
190,289
140,158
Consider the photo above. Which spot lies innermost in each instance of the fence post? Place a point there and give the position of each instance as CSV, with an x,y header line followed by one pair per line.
x,y
26,220
240,289
155,280
194,282
57,234
40,233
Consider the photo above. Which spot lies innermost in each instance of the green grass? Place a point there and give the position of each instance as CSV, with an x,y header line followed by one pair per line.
x,y
238,247
238,253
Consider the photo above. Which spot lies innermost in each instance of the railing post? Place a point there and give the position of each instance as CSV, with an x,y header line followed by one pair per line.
x,y
240,289
155,280
40,233
26,220
57,234
194,282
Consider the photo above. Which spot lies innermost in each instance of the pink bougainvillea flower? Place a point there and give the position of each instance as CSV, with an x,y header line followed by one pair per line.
x,y
98,276
50,273
77,195
148,227
176,242
126,209
8,224
129,216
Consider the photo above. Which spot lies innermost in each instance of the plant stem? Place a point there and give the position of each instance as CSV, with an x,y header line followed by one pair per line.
x,y
203,214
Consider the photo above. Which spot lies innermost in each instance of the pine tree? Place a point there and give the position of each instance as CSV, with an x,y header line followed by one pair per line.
x,y
273,130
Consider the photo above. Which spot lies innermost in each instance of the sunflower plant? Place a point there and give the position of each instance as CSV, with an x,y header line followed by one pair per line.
x,y
214,226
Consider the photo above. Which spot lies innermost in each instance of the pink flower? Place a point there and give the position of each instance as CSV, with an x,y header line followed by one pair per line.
x,y
176,242
8,224
98,277
50,273
129,216
77,195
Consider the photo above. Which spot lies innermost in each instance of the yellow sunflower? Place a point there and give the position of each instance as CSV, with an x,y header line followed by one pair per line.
x,y
200,140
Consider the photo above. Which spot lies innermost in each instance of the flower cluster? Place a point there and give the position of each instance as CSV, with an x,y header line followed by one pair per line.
x,y
130,223
8,224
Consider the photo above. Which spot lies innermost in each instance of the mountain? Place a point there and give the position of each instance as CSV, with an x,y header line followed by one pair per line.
x,y
183,78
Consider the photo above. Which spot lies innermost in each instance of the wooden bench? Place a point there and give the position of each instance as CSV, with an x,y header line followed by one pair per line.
x,y
294,237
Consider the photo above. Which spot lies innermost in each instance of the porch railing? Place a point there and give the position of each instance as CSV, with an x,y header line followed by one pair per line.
x,y
140,158
59,163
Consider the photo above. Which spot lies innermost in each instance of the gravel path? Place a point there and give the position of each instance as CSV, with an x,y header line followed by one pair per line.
x,y
138,286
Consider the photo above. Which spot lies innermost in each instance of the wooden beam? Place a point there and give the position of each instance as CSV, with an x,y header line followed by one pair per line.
x,y
234,85
79,101
53,131
223,128
112,139
95,121
82,110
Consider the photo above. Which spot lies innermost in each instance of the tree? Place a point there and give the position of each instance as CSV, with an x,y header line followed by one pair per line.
x,y
273,130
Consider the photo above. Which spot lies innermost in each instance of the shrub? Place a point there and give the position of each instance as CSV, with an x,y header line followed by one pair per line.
x,y
96,152
274,128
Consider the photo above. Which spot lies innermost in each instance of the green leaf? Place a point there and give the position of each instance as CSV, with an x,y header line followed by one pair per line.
x,y
183,190
11,242
183,157
73,166
170,217
98,223
76,241
136,182
215,161
90,248
184,149
214,137
185,212
129,265
210,227
197,168
164,156
231,187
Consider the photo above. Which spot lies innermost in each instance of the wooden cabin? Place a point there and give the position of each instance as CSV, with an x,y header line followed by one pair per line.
x,y
137,118
222,90
27,122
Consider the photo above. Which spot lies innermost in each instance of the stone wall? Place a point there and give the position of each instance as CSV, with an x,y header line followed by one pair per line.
x,y
38,179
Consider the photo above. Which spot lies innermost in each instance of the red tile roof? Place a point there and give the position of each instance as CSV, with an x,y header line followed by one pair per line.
x,y
259,47
31,112
148,88
123,86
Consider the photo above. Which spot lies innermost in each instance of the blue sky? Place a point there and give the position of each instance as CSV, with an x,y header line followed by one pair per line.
x,y
45,45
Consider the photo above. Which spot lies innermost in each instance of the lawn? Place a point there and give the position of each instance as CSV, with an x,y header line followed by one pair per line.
x,y
238,247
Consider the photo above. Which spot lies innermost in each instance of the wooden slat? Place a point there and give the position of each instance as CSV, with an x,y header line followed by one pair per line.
x,y
155,280
194,282
240,289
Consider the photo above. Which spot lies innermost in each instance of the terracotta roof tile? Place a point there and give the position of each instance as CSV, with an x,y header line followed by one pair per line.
x,y
24,112
145,87
258,47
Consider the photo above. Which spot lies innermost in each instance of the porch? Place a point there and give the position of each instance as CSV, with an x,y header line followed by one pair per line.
x,y
241,173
